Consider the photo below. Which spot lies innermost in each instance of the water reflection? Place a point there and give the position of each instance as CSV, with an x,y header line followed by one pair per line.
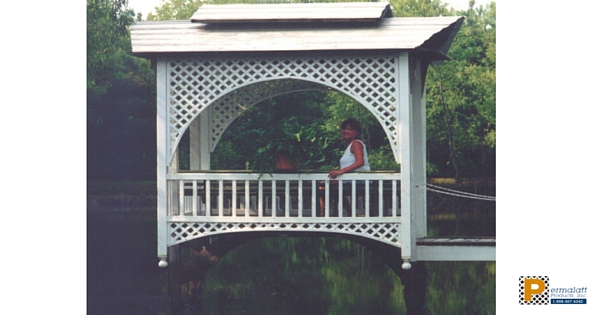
x,y
305,275
335,276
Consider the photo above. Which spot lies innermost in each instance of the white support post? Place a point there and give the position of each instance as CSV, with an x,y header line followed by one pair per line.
x,y
195,144
161,155
200,142
412,141
405,157
419,151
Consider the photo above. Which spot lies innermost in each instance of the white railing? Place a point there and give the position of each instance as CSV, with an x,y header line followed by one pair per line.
x,y
303,197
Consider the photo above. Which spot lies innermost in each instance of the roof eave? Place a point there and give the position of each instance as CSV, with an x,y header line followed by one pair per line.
x,y
154,38
443,39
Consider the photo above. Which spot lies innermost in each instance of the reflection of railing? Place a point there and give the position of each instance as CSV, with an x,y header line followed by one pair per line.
x,y
231,196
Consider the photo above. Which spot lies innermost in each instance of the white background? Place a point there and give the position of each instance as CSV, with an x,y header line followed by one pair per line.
x,y
548,165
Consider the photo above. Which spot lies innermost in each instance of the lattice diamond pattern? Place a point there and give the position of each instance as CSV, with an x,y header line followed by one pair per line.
x,y
180,232
194,84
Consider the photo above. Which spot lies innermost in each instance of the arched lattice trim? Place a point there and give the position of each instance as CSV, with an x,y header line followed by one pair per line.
x,y
385,232
195,84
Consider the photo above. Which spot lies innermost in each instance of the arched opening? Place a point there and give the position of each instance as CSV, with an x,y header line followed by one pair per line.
x,y
283,114
305,123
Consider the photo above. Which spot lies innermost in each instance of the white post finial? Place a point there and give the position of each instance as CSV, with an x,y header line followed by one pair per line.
x,y
163,263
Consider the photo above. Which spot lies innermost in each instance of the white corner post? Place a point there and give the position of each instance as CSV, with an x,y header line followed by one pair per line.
x,y
412,155
162,153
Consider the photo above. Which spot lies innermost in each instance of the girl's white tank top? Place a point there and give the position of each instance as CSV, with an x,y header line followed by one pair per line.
x,y
348,158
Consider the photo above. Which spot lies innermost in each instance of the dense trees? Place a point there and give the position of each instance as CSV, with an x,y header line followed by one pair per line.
x,y
120,98
175,10
461,111
460,102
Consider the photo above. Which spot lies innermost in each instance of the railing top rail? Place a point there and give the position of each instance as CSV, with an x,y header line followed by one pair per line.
x,y
301,171
220,175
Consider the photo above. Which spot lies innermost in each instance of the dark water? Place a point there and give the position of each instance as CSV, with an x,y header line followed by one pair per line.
x,y
285,275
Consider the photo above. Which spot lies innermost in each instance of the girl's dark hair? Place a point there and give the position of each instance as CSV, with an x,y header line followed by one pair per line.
x,y
354,123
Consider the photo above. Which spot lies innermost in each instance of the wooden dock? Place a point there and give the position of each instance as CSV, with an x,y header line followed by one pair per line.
x,y
456,249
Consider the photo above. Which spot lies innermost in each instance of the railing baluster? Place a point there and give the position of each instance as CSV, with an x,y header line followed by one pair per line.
x,y
353,198
394,198
399,194
181,198
260,199
327,198
367,199
220,198
273,198
300,201
195,197
170,197
288,198
234,198
247,198
340,199
207,197
314,199
380,212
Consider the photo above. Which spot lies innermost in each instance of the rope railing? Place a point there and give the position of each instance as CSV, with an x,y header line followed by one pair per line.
x,y
458,193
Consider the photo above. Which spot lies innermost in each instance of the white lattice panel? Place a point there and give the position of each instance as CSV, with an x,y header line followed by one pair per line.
x,y
195,84
180,232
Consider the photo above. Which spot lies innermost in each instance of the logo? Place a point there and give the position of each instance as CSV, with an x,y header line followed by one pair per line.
x,y
533,290
536,290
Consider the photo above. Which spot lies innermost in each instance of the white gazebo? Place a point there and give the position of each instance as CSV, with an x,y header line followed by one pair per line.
x,y
227,58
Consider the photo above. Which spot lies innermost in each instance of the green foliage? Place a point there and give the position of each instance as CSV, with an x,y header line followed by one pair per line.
x,y
289,138
109,65
120,97
291,123
175,10
418,8
382,158
461,129
107,39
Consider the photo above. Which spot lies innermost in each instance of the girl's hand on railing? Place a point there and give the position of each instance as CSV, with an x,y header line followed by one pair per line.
x,y
335,173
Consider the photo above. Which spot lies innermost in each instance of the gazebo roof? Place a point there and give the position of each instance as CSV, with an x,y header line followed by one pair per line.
x,y
293,12
295,28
